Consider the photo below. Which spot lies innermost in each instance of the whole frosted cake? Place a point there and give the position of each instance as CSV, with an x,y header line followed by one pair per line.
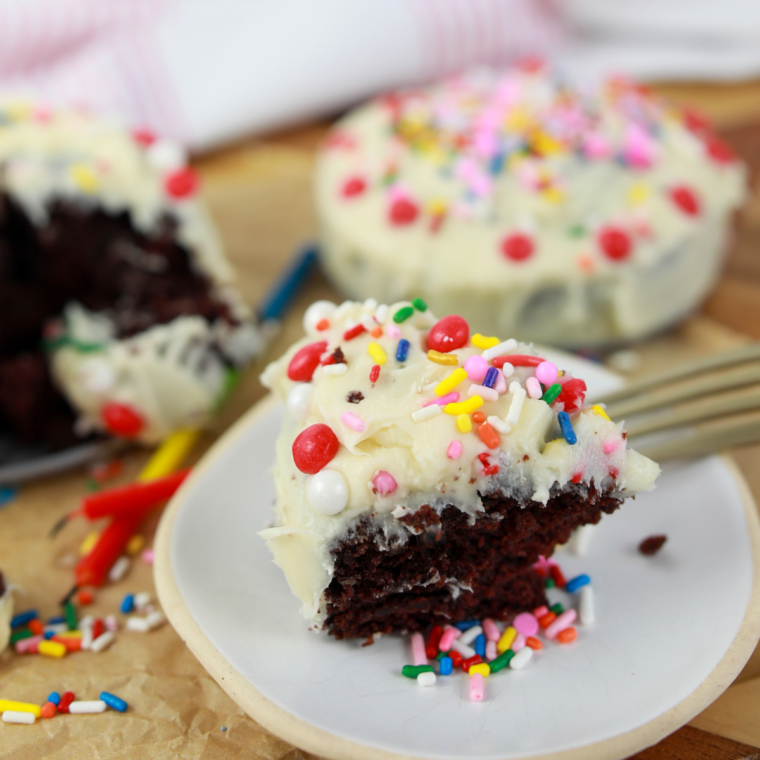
x,y
117,306
528,207
422,471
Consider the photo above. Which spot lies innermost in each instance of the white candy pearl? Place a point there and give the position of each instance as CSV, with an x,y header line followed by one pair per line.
x,y
318,311
166,155
328,492
96,376
299,401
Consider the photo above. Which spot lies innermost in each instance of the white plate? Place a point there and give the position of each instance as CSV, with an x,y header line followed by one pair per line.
x,y
672,632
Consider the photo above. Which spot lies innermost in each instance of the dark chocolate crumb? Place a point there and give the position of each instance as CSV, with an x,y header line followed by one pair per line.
x,y
354,397
652,545
338,357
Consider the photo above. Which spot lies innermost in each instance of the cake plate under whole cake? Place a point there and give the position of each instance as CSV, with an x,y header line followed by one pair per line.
x,y
672,630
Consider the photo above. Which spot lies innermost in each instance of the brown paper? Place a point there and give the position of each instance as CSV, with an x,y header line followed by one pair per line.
x,y
260,194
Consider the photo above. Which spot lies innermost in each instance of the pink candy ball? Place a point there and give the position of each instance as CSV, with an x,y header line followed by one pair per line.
x,y
526,624
476,368
384,483
547,373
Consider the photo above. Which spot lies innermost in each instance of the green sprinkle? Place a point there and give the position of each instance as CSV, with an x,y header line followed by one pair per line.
x,y
231,379
577,231
501,661
71,616
441,655
92,485
551,393
412,671
549,583
403,314
24,633
557,608
419,304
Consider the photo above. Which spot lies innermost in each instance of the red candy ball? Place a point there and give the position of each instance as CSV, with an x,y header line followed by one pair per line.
x,y
448,334
182,183
144,137
403,211
122,419
517,247
686,200
314,448
573,395
719,151
615,243
353,187
305,361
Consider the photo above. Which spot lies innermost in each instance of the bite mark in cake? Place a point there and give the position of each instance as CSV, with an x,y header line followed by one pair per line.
x,y
431,499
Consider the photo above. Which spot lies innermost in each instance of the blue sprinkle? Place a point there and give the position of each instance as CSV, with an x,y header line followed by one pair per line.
x,y
7,495
113,701
49,635
480,645
447,665
127,604
403,350
224,728
23,618
491,376
497,164
567,428
466,624
578,582
55,620
54,697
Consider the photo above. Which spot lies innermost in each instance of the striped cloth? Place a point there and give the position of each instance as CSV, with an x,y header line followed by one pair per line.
x,y
210,71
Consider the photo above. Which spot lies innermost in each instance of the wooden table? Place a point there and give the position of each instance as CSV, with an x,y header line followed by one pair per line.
x,y
259,191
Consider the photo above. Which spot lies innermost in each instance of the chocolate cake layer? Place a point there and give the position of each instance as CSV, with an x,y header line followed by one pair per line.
x,y
454,568
99,260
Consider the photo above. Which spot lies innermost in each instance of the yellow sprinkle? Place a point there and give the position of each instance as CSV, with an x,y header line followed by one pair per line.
x,y
553,195
71,634
449,383
518,119
436,208
88,543
84,178
638,194
483,342
18,111
598,410
464,423
9,704
464,407
482,668
51,648
169,455
436,356
377,353
506,640
135,545
545,144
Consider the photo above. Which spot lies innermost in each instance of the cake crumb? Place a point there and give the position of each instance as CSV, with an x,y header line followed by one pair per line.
x,y
652,545
354,397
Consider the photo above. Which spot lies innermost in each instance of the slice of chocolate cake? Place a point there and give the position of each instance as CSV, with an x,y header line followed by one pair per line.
x,y
421,472
117,309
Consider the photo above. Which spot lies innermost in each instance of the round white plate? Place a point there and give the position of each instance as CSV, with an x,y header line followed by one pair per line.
x,y
672,630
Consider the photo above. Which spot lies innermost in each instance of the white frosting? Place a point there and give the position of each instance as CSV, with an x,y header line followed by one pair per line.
x,y
531,459
491,156
172,375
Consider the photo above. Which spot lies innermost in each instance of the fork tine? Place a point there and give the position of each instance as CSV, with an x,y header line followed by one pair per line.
x,y
707,439
740,355
699,411
687,389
